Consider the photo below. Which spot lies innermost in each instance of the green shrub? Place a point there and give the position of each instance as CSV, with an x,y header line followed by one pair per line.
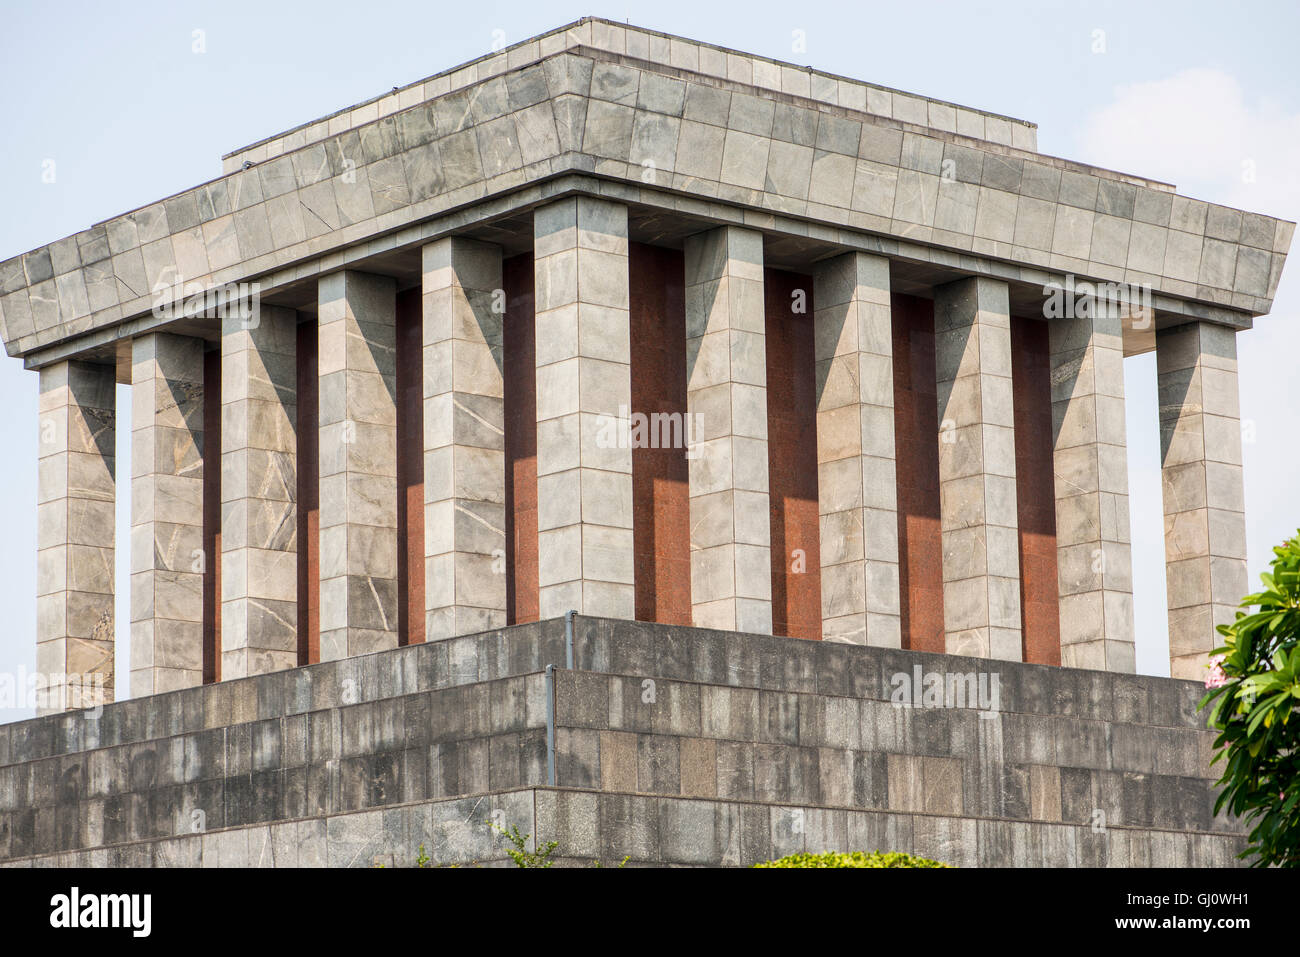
x,y
1255,684
520,853
855,859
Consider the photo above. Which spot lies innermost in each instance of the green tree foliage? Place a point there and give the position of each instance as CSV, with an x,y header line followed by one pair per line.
x,y
1254,687
520,853
855,859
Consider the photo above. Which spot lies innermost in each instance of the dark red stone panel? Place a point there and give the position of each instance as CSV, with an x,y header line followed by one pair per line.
x,y
1035,490
212,516
916,431
308,496
520,385
792,456
661,534
410,467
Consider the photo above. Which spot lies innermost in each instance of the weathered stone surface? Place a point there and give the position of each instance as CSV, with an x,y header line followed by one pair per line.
x,y
357,368
584,462
259,519
855,451
977,470
1090,463
876,165
464,439
663,752
167,557
1204,499
726,400
76,489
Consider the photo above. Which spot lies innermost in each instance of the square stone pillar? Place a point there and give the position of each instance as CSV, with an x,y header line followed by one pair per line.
x,y
464,439
167,557
358,464
977,469
1205,522
76,491
1090,463
259,519
584,388
726,399
856,480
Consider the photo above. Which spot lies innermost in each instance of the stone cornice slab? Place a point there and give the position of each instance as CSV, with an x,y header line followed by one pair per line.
x,y
665,132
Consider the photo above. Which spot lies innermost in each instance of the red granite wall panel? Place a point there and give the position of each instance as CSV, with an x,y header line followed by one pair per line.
x,y
792,455
410,467
916,434
520,396
212,516
1035,490
661,534
308,496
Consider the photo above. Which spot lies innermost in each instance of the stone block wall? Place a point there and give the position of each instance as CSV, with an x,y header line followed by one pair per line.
x,y
673,745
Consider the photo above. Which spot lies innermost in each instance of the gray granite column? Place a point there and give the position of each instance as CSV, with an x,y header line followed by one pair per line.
x,y
726,397
464,439
1090,462
259,520
584,386
167,558
1204,502
977,469
857,487
358,464
75,523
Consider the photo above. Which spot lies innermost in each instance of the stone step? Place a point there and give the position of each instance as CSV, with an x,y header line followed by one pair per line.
x,y
653,830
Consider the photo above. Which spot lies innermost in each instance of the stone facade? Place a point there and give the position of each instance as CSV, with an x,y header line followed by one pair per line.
x,y
670,745
977,469
167,556
726,391
76,489
528,223
464,438
584,386
1205,523
856,455
259,455
357,369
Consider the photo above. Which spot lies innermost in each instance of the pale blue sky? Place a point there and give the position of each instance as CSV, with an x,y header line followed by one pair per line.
x,y
1191,93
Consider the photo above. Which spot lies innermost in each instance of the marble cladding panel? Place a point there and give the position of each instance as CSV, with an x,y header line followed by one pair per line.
x,y
76,492
1090,463
357,423
726,395
583,359
856,454
843,168
259,487
168,559
977,470
1204,499
705,59
464,438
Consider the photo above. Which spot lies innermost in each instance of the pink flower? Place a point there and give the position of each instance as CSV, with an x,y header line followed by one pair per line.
x,y
1216,678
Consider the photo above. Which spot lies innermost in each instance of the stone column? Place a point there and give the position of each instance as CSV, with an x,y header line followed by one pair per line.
x,y
977,469
358,464
259,522
584,388
464,439
167,557
75,523
1090,462
1205,522
726,399
857,488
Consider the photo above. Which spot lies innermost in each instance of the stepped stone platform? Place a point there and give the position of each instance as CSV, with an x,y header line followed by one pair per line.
x,y
666,744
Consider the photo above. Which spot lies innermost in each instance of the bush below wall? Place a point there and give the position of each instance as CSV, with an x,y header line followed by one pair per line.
x,y
854,859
